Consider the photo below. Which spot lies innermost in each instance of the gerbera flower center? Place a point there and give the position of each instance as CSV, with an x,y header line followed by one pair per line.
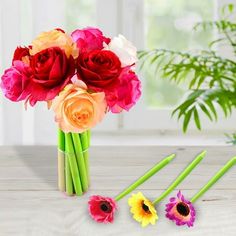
x,y
183,209
105,207
145,208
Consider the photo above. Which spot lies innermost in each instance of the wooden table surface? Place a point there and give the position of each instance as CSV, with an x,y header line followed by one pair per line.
x,y
30,203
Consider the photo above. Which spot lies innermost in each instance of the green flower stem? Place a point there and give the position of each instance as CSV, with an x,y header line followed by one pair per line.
x,y
146,176
69,183
89,137
61,160
70,153
80,160
214,179
181,177
85,146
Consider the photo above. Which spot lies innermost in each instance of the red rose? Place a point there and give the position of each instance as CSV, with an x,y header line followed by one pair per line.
x,y
99,69
20,53
52,71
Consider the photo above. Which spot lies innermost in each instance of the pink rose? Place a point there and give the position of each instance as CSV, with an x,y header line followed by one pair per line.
x,y
126,94
89,39
15,80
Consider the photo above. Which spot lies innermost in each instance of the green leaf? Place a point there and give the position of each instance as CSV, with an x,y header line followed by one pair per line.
x,y
212,108
183,107
212,43
204,109
224,107
193,81
154,59
231,7
196,119
187,120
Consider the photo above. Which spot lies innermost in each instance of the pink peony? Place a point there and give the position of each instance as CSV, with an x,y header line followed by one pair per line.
x,y
15,80
126,94
89,39
102,209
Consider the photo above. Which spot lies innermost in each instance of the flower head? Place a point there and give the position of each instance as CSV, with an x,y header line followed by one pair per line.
x,y
142,209
124,49
99,69
52,71
54,38
21,54
180,210
102,209
126,94
15,80
77,110
89,39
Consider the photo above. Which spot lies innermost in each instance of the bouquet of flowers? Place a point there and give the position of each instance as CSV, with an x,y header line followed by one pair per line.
x,y
81,77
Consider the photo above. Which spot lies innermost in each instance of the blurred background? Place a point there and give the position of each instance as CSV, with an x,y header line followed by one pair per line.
x,y
148,24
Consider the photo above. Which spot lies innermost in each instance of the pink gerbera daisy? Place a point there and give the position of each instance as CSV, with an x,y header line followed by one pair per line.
x,y
180,210
102,209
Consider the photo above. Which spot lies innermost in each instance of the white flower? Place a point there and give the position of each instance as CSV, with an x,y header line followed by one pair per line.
x,y
124,49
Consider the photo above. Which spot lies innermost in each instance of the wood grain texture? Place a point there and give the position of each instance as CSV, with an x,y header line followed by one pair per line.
x,y
30,203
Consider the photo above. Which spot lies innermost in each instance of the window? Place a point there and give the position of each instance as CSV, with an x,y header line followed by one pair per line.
x,y
147,23
169,25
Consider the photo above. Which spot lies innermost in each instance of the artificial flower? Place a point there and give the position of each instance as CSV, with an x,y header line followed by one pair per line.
x,y
15,80
126,93
180,210
124,49
77,110
54,38
52,71
142,209
102,209
21,54
89,39
99,69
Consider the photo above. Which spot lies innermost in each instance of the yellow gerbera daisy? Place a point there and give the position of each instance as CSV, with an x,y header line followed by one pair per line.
x,y
142,209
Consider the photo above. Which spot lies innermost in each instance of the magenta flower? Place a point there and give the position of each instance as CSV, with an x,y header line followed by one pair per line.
x,y
180,210
126,94
102,209
15,80
89,39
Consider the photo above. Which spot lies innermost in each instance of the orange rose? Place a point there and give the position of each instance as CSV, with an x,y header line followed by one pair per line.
x,y
54,38
77,110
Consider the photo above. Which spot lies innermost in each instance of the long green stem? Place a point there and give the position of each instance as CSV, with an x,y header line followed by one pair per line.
x,y
89,137
214,179
85,145
181,177
73,164
61,160
146,176
69,183
80,160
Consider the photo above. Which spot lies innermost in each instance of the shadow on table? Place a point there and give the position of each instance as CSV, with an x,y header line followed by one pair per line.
x,y
42,161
